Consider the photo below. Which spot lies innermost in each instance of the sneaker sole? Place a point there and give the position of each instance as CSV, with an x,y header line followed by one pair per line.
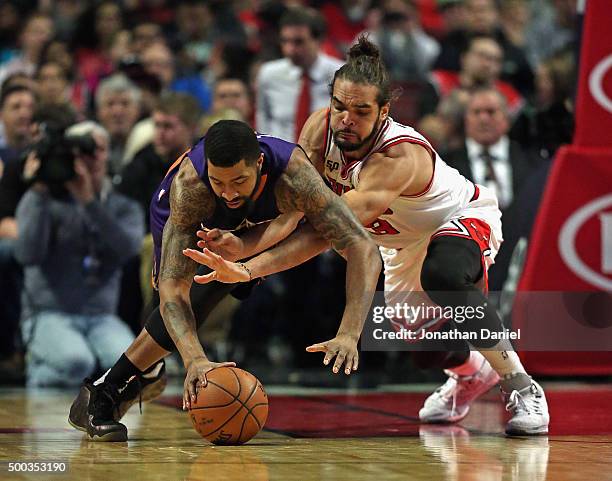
x,y
539,431
115,436
444,420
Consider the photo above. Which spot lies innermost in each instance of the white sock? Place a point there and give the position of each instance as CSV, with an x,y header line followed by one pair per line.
x,y
471,366
504,360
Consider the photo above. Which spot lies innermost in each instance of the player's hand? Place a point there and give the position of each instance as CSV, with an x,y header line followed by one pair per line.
x,y
196,375
221,242
222,270
344,348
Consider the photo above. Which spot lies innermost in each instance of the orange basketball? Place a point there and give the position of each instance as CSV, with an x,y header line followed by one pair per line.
x,y
231,409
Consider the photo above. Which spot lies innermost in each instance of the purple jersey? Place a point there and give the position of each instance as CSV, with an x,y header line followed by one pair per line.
x,y
263,208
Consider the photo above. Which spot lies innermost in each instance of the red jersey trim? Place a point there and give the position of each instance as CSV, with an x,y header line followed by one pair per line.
x,y
413,140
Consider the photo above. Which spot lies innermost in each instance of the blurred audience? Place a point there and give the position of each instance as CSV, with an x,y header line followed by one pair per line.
x,y
233,93
175,121
408,52
482,17
94,40
346,18
548,120
290,89
118,102
158,60
17,103
552,30
78,94
491,159
37,31
481,64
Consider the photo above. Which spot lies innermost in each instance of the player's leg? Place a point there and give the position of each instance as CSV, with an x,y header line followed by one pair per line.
x,y
403,287
474,376
452,268
138,374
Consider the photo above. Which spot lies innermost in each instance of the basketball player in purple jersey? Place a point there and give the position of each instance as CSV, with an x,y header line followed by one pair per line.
x,y
234,180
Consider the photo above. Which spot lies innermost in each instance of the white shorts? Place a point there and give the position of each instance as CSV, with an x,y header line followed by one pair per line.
x,y
480,221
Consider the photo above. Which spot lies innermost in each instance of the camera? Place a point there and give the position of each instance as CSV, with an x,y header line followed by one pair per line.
x,y
56,151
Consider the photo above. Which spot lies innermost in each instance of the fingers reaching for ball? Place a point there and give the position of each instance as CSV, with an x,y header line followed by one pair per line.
x,y
343,348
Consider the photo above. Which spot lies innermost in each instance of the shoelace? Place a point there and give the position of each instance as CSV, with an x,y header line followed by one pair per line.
x,y
516,402
137,378
450,393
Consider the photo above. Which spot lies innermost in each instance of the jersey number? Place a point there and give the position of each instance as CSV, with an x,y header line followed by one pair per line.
x,y
382,227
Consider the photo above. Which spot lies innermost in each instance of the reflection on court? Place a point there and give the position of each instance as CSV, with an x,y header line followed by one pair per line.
x,y
359,437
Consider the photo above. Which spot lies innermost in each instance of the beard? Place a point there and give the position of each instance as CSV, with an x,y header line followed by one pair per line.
x,y
229,218
347,146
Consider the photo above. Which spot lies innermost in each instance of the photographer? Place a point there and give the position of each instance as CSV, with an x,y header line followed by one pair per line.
x,y
74,234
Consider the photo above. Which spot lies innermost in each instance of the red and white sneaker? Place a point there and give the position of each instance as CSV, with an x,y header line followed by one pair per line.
x,y
451,402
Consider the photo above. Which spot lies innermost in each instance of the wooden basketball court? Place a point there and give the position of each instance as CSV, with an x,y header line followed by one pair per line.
x,y
315,435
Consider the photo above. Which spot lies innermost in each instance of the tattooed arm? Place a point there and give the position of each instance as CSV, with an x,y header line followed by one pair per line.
x,y
301,188
190,202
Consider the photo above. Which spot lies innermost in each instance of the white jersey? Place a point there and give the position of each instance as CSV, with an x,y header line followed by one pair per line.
x,y
410,218
450,205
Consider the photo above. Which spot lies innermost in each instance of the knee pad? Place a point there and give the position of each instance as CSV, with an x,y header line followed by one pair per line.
x,y
157,330
439,359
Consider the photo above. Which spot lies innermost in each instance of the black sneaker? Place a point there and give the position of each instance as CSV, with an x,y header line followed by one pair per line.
x,y
143,388
95,411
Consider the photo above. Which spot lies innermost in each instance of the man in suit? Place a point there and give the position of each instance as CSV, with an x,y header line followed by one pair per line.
x,y
291,88
488,157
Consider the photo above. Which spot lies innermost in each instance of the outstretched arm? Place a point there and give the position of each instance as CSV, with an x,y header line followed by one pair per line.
x,y
190,201
255,240
301,188
302,245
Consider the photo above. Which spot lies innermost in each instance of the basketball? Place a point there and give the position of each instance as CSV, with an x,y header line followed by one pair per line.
x,y
231,409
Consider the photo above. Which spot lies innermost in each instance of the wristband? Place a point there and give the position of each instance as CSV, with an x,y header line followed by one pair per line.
x,y
247,270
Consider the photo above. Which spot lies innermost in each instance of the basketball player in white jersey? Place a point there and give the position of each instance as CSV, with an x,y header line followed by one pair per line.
x,y
437,233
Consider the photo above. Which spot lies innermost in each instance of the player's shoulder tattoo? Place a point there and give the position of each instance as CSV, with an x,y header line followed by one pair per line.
x,y
190,199
301,188
190,202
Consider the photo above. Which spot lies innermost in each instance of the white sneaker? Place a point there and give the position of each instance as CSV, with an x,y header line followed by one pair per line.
x,y
451,401
529,411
